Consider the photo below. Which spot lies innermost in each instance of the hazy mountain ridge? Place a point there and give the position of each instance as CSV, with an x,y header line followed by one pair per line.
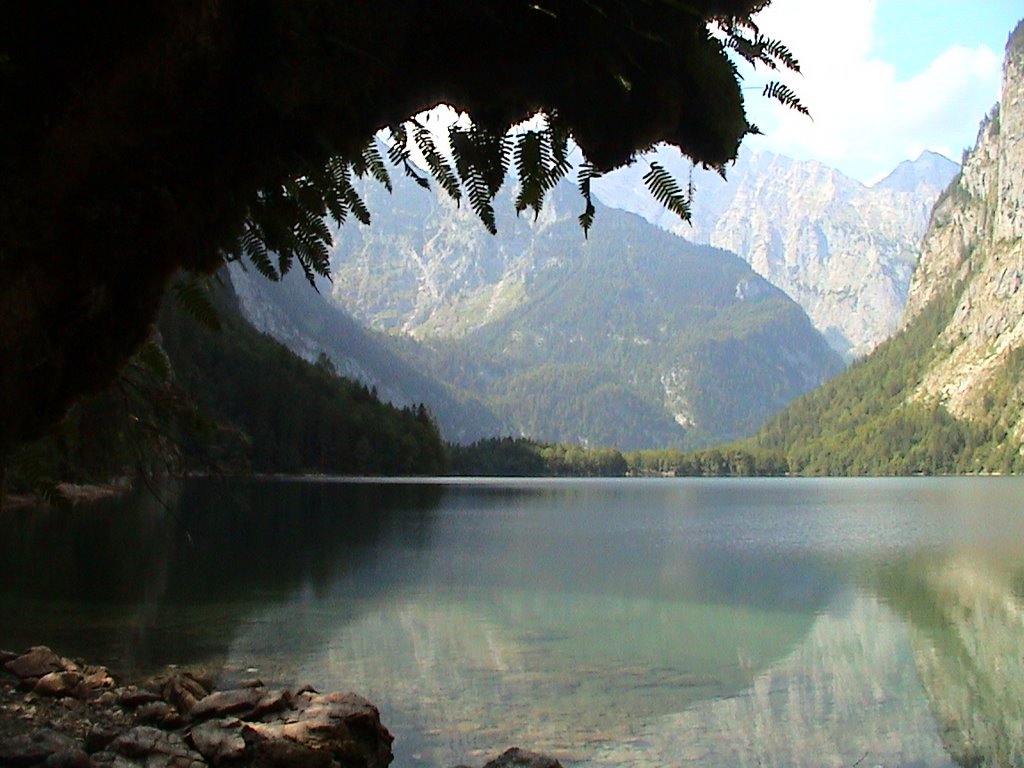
x,y
428,268
844,251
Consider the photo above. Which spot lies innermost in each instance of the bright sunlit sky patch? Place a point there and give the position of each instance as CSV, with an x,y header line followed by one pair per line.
x,y
884,79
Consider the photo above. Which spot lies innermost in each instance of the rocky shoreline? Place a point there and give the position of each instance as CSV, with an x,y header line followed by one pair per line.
x,y
59,713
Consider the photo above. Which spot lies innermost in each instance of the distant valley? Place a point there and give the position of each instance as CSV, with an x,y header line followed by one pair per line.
x,y
630,338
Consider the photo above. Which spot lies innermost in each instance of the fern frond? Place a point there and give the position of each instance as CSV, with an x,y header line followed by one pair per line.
x,y
192,295
784,95
481,159
665,189
557,137
353,202
748,49
531,158
334,197
774,50
586,174
436,163
284,263
152,357
369,163
311,247
399,154
255,247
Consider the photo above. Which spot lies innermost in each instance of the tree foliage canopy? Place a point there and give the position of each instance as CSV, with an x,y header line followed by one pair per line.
x,y
143,138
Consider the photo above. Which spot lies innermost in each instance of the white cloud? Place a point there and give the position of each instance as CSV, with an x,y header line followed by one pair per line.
x,y
865,120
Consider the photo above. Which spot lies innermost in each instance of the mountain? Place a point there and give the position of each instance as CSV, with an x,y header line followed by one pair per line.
x,y
931,172
629,338
944,394
841,249
310,324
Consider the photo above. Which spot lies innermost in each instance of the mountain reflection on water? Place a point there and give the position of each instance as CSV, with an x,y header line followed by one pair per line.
x,y
965,613
143,581
710,623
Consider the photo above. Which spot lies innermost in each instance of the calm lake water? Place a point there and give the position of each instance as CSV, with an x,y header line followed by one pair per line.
x,y
610,622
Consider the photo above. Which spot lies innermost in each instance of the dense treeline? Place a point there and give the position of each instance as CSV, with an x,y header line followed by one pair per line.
x,y
727,461
228,400
866,422
521,457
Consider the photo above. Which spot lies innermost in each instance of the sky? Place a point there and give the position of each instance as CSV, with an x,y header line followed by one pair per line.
x,y
884,79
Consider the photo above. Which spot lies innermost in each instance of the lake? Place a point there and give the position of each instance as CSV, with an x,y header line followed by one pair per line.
x,y
640,622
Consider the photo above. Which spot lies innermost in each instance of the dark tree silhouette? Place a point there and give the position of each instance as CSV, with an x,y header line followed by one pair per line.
x,y
141,138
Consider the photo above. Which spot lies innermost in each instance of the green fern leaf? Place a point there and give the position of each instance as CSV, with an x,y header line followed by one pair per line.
x,y
481,159
748,49
151,357
192,295
369,163
531,158
255,247
334,198
399,154
436,163
355,204
665,189
775,50
784,95
586,174
542,160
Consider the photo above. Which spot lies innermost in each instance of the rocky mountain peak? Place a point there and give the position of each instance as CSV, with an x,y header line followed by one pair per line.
x,y
930,170
844,251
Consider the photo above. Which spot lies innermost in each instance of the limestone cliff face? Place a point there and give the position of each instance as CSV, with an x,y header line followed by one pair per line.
x,y
973,249
842,250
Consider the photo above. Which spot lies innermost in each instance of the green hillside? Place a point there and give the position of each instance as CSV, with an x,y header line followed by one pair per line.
x,y
865,422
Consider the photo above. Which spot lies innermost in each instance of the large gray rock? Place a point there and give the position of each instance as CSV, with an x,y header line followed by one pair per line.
x,y
343,726
34,747
37,662
241,702
522,758
58,684
154,748
219,740
183,690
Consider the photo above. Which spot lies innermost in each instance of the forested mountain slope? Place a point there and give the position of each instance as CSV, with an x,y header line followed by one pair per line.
x,y
310,324
226,400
